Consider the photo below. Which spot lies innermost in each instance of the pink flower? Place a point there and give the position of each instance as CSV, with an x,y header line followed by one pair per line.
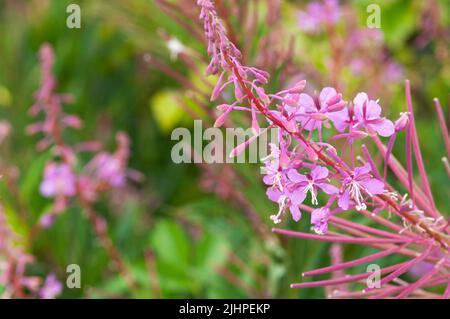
x,y
51,289
275,166
342,119
318,14
109,169
364,114
311,112
312,181
59,180
364,37
276,169
319,218
47,220
367,113
358,187
286,199
358,183
310,19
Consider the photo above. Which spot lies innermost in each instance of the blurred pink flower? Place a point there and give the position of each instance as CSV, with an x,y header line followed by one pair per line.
x,y
111,168
59,180
51,288
317,14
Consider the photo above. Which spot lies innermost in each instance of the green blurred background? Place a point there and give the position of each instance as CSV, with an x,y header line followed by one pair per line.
x,y
199,242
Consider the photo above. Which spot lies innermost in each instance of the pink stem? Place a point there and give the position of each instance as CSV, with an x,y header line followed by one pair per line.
x,y
388,153
409,164
369,159
337,239
410,288
346,279
344,222
406,179
417,152
405,267
444,129
353,263
385,222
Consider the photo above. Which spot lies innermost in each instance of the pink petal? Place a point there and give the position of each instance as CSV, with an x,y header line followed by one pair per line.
x,y
326,94
319,172
295,177
360,98
384,128
373,110
295,212
362,170
297,197
307,103
373,185
269,179
47,189
328,188
339,119
358,102
344,200
273,194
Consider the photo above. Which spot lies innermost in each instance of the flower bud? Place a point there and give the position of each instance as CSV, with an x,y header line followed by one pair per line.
x,y
262,95
402,121
223,117
337,106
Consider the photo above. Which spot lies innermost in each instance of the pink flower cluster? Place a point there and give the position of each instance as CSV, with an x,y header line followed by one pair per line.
x,y
355,186
292,170
318,15
307,167
13,264
62,179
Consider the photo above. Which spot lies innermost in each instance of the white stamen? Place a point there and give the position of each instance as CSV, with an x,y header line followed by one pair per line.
x,y
277,181
310,188
355,193
277,218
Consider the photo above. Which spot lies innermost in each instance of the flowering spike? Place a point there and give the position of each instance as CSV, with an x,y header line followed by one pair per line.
x,y
305,165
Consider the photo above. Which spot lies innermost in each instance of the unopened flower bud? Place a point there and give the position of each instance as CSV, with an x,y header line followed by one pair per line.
x,y
402,121
298,87
223,117
262,95
337,106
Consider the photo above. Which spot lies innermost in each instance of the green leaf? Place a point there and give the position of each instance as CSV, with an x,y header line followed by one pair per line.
x,y
171,244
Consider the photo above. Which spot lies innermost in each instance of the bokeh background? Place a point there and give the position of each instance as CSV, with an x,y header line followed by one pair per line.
x,y
186,230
